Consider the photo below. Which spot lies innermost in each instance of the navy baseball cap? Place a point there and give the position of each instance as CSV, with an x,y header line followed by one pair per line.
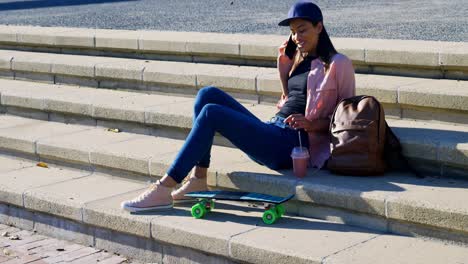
x,y
305,10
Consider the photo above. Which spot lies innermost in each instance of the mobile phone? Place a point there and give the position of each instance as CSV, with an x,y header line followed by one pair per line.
x,y
290,48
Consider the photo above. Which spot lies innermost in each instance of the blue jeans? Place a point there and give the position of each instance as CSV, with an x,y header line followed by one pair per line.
x,y
216,111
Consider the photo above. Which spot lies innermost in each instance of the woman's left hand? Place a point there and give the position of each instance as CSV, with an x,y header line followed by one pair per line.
x,y
299,121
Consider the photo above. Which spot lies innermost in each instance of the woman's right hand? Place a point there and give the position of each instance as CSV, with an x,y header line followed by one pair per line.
x,y
284,63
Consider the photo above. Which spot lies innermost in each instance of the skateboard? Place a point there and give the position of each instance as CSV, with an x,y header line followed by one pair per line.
x,y
272,204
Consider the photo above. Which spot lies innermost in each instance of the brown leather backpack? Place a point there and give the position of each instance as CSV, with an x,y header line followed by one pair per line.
x,y
358,132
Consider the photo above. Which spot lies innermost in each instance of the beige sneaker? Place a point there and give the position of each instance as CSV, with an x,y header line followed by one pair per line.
x,y
156,197
193,184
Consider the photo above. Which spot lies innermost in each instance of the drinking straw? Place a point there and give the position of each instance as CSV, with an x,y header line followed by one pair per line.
x,y
299,134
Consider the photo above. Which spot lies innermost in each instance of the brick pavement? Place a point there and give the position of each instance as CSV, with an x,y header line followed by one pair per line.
x,y
21,246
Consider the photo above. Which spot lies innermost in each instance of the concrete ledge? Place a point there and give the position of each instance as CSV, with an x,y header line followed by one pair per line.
x,y
8,33
232,169
443,56
146,250
403,92
22,138
227,234
440,144
116,39
371,253
172,73
5,61
34,63
435,93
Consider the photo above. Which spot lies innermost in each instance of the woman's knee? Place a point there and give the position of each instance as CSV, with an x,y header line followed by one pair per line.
x,y
213,115
205,96
211,111
208,92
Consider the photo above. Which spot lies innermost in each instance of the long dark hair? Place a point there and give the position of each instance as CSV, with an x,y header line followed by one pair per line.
x,y
325,48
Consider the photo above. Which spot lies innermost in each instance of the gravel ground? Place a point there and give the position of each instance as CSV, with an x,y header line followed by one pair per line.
x,y
407,19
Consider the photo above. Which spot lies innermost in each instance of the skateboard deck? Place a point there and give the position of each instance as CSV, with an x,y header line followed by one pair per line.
x,y
272,204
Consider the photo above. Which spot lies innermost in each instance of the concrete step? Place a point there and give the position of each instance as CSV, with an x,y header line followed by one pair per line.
x,y
429,59
141,113
403,97
83,207
397,203
438,148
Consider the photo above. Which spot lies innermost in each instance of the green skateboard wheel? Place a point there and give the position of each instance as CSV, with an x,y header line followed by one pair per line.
x,y
280,210
198,210
269,216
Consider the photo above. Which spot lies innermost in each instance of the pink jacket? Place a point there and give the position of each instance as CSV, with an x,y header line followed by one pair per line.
x,y
325,89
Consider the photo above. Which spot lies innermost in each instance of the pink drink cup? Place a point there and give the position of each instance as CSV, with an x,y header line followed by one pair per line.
x,y
300,157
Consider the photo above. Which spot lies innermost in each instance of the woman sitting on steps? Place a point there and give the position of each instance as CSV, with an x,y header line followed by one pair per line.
x,y
313,82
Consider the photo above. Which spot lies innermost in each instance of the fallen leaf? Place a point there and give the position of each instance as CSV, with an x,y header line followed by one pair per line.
x,y
42,165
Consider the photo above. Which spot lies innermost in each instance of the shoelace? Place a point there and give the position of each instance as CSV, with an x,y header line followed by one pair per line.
x,y
150,189
186,184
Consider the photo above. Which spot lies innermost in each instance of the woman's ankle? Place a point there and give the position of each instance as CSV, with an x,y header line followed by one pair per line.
x,y
167,181
200,172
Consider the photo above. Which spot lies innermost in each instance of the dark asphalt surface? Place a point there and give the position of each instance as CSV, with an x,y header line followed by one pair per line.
x,y
407,19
